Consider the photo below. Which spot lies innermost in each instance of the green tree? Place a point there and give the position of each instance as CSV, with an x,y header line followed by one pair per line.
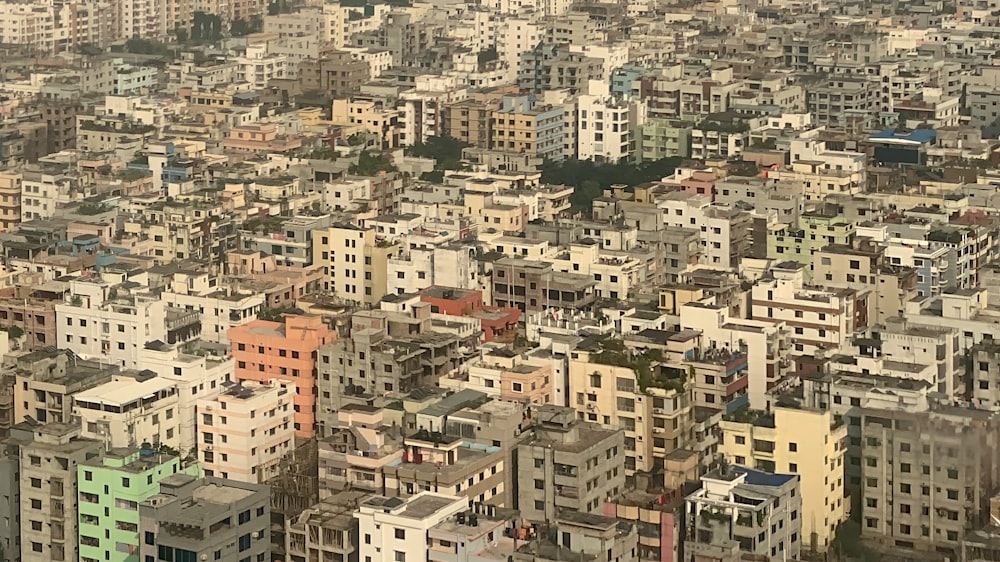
x,y
370,165
240,28
445,151
14,332
590,179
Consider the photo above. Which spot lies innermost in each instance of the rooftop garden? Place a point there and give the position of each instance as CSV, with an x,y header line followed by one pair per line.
x,y
125,128
645,363
744,414
724,126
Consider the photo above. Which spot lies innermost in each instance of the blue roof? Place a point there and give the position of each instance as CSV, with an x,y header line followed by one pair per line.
x,y
761,478
916,135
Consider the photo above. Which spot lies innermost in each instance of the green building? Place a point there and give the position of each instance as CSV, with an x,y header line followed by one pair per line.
x,y
663,138
111,488
819,228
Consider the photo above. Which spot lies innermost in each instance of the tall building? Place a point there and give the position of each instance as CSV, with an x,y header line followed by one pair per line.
x,y
927,477
808,442
760,511
397,529
111,489
206,519
354,262
285,351
567,464
245,431
47,379
49,492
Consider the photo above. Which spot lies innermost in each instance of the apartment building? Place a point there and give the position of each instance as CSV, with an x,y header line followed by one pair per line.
x,y
48,489
644,401
245,431
524,125
725,231
102,322
606,125
111,488
133,408
502,374
823,226
355,261
46,381
927,476
337,72
353,453
719,511
567,464
532,286
400,526
212,518
816,320
810,443
285,351
450,464
327,528
545,66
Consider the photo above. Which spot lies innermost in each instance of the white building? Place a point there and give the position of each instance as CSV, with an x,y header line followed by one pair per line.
x,y
108,324
244,432
605,124
395,529
198,376
134,408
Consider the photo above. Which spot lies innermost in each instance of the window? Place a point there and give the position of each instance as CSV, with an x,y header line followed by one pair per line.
x,y
793,447
244,517
515,386
245,542
400,534
399,556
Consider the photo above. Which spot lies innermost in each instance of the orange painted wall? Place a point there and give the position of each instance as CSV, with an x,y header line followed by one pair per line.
x,y
265,350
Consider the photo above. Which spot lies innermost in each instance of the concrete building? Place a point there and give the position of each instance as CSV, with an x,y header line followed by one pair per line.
x,y
246,430
206,518
808,442
111,488
817,320
524,125
760,511
285,351
48,486
133,408
927,476
397,529
567,465
354,262
46,381
327,529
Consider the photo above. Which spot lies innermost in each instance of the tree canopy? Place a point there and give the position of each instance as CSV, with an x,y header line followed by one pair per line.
x,y
590,179
446,153
371,164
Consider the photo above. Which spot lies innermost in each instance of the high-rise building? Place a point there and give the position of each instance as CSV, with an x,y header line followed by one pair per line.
x,y
567,464
48,492
285,351
111,489
209,518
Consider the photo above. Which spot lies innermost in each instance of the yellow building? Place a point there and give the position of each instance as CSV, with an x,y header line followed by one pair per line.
x,y
802,441
655,411
10,200
354,262
369,116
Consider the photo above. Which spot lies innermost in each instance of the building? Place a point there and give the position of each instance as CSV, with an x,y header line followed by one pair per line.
x,y
48,485
206,519
524,125
760,511
811,443
355,262
397,528
246,430
47,380
927,476
285,351
111,488
133,408
328,528
567,465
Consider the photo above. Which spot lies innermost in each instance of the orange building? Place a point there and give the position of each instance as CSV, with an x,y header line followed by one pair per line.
x,y
498,323
264,350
